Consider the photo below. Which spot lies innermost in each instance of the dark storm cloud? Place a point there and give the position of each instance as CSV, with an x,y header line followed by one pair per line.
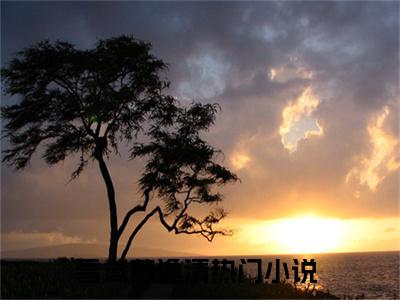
x,y
224,52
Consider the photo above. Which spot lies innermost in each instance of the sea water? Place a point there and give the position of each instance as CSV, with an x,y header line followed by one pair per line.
x,y
371,274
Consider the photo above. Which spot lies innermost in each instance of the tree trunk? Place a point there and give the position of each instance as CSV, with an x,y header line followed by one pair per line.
x,y
113,249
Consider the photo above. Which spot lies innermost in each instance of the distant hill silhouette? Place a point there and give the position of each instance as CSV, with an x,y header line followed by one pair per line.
x,y
86,251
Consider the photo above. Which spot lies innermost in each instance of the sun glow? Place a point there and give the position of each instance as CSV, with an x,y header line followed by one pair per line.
x,y
308,234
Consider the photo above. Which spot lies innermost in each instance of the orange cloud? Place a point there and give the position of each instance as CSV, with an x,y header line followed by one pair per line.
x,y
297,123
372,169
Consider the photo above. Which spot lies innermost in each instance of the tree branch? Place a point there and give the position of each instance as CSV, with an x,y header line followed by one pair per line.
x,y
208,233
134,210
187,201
136,230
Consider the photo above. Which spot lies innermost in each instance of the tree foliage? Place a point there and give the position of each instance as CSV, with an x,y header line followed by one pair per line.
x,y
69,95
87,102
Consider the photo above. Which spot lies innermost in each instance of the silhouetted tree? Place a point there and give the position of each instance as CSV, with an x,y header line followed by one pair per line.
x,y
87,101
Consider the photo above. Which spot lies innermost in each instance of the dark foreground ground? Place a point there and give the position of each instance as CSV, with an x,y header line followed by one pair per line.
x,y
59,279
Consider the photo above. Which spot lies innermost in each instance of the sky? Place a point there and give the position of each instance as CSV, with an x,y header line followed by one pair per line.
x,y
309,93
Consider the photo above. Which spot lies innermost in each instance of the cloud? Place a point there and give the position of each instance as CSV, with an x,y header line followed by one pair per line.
x,y
284,73
20,240
303,78
373,168
297,120
295,68
207,77
239,160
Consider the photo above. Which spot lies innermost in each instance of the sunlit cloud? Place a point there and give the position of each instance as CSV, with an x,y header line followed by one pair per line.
x,y
298,123
293,69
382,159
241,155
273,73
286,73
239,160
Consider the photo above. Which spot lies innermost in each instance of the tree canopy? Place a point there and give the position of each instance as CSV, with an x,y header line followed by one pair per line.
x,y
71,98
87,102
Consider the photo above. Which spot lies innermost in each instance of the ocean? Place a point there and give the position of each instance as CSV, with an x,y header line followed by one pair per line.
x,y
375,275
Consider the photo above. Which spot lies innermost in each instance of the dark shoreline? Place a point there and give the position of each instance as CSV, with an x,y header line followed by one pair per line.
x,y
57,279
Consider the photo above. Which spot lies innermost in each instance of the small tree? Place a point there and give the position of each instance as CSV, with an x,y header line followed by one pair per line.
x,y
87,101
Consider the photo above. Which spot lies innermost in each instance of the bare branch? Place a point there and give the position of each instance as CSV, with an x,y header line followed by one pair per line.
x,y
134,210
136,230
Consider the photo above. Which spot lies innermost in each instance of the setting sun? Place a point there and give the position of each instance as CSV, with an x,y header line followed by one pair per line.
x,y
308,234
